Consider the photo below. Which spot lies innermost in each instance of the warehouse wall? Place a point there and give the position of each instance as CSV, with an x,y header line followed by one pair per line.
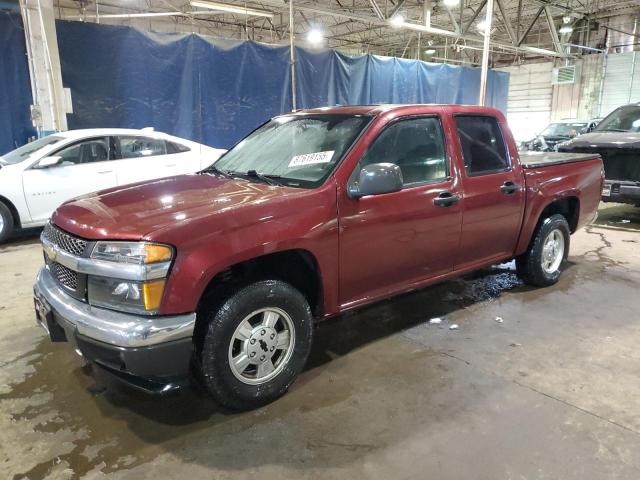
x,y
216,91
15,89
530,98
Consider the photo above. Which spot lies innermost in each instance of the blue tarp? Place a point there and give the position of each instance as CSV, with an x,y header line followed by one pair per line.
x,y
211,91
216,91
15,88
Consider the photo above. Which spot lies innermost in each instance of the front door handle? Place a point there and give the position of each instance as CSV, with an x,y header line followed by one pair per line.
x,y
105,171
509,187
446,199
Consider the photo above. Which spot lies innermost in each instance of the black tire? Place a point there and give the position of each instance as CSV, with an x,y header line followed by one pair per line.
x,y
6,222
530,264
213,359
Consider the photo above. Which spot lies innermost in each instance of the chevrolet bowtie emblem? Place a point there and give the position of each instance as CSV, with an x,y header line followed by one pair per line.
x,y
51,252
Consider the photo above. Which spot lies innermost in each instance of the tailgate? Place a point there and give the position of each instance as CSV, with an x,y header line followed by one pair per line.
x,y
542,159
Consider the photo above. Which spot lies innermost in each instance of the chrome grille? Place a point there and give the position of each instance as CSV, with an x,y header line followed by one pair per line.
x,y
68,243
64,276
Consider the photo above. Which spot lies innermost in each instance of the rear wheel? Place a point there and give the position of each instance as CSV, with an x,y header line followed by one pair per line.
x,y
6,222
540,265
255,344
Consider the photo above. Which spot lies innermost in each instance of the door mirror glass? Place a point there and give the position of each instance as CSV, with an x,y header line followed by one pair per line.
x,y
47,162
376,179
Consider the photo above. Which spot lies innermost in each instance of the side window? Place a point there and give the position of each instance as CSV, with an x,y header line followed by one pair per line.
x,y
176,148
416,145
483,148
134,147
87,151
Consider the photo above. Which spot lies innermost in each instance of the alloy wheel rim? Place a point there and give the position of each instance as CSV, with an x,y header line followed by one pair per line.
x,y
553,251
1,224
261,345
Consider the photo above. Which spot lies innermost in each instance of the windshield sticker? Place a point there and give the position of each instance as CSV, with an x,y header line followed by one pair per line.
x,y
311,158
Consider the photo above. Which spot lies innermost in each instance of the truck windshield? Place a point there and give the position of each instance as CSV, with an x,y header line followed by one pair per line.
x,y
563,129
624,119
299,151
23,152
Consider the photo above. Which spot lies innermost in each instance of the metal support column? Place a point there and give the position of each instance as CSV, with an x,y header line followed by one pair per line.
x,y
48,112
485,55
292,53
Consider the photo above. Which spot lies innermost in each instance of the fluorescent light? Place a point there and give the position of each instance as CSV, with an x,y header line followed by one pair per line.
x,y
223,7
397,21
451,3
482,25
315,36
430,51
566,29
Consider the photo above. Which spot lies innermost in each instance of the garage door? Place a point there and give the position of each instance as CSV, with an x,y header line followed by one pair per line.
x,y
530,94
621,82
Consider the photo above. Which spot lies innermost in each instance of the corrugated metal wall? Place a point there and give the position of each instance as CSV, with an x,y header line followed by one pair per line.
x,y
621,81
530,98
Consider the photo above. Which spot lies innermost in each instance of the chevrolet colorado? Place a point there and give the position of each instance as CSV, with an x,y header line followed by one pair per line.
x,y
221,274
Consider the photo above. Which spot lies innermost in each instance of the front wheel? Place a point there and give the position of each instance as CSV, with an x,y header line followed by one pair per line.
x,y
540,265
256,344
6,222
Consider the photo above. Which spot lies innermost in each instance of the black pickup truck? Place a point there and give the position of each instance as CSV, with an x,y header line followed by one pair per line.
x,y
617,140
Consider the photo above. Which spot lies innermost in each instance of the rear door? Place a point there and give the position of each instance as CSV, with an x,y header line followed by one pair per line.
x,y
389,241
86,167
143,158
493,192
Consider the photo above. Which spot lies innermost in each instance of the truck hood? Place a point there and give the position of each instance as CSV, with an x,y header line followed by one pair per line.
x,y
135,211
597,140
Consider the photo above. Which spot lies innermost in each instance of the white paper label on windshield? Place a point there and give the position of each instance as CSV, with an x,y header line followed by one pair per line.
x,y
311,158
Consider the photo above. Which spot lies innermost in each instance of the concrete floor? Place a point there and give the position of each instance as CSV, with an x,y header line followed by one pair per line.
x,y
552,392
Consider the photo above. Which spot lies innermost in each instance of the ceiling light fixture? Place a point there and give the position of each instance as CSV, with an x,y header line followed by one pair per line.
x,y
397,21
315,36
566,29
430,51
451,3
223,7
482,25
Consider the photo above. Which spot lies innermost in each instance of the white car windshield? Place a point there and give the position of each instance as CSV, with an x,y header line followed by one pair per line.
x,y
23,152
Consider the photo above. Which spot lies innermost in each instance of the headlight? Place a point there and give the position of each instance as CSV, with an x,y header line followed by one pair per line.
x,y
132,252
126,295
142,295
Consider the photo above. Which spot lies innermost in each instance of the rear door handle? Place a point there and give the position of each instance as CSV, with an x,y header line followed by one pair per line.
x,y
446,199
105,171
509,187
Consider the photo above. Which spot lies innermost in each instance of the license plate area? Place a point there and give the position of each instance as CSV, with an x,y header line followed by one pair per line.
x,y
606,190
44,317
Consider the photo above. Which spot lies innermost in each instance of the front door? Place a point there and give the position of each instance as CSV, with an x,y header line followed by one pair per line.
x,y
85,167
390,241
493,191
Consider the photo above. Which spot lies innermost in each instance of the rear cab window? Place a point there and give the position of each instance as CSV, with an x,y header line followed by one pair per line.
x,y
483,148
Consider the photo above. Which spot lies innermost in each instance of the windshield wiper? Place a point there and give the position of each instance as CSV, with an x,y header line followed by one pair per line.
x,y
266,178
214,169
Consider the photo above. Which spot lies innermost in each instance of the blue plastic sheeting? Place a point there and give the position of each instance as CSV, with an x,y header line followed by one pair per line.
x,y
216,91
15,89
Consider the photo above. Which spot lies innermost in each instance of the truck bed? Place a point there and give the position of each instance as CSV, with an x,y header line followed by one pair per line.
x,y
542,159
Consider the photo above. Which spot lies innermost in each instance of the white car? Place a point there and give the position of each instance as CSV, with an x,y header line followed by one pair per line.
x,y
39,176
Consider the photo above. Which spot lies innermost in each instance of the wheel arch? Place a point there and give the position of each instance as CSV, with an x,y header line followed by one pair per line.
x,y
298,267
14,211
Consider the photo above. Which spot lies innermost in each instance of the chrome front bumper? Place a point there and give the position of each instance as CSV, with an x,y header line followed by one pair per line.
x,y
108,326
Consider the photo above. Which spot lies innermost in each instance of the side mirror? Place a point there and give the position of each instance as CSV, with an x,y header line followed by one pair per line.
x,y
376,179
47,162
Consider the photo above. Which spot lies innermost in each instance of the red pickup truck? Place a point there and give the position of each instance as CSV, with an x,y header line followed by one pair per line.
x,y
222,273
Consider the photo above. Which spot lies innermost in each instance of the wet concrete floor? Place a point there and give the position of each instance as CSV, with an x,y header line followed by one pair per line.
x,y
552,391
